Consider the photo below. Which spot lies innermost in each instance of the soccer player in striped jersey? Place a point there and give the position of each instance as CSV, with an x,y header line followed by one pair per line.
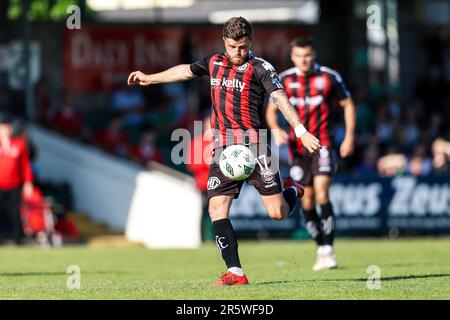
x,y
239,82
312,89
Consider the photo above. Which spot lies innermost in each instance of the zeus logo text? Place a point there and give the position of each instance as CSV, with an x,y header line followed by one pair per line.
x,y
234,84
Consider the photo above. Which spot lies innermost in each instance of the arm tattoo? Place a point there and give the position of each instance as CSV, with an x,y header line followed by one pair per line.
x,y
282,102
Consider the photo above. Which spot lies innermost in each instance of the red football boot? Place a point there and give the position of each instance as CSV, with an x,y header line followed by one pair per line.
x,y
230,279
289,182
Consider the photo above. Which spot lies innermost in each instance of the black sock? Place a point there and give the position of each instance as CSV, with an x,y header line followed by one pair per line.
x,y
312,224
226,242
327,223
290,196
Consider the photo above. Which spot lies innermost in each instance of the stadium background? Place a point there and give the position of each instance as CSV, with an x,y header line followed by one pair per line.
x,y
393,55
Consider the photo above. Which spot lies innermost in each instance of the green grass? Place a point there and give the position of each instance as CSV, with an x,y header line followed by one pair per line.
x,y
416,268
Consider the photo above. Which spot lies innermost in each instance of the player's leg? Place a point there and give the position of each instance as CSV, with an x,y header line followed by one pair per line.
x,y
301,172
312,220
221,192
219,207
266,178
321,191
226,241
277,206
327,220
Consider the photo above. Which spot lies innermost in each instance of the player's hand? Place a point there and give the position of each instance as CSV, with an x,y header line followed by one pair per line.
x,y
310,142
138,77
346,148
27,189
280,137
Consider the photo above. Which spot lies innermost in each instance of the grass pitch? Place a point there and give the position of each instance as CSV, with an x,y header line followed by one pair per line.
x,y
410,269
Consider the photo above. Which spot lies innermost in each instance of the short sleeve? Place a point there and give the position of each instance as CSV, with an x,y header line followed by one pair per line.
x,y
201,67
338,86
268,77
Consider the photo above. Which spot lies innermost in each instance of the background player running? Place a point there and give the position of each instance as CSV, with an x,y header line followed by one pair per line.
x,y
239,83
312,88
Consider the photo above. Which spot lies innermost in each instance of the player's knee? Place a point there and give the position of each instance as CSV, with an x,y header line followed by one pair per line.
x,y
322,197
308,199
308,202
217,210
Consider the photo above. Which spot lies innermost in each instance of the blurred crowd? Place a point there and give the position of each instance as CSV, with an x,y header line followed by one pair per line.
x,y
134,123
395,134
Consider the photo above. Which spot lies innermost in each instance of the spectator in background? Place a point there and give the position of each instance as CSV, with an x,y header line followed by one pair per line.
x,y
130,104
419,164
178,106
15,173
67,120
368,165
42,103
113,139
147,150
365,118
385,125
21,130
198,162
411,128
433,90
198,150
391,165
162,116
441,157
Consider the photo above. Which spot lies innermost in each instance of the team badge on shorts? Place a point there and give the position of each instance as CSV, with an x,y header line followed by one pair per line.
x,y
324,153
324,160
296,173
213,183
268,176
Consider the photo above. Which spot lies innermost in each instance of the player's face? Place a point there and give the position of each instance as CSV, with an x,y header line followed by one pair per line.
x,y
303,58
237,50
6,130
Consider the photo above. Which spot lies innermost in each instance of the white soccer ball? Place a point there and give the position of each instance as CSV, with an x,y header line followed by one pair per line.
x,y
237,162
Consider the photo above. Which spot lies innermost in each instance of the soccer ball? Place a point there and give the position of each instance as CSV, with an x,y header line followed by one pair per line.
x,y
237,162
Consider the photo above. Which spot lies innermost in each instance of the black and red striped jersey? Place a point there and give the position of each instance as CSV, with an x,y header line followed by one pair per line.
x,y
312,95
238,95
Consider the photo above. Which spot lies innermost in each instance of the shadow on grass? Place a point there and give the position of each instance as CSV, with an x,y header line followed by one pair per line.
x,y
405,277
25,274
55,273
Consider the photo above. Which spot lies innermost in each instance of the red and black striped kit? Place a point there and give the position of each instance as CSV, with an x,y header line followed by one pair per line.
x,y
238,95
312,95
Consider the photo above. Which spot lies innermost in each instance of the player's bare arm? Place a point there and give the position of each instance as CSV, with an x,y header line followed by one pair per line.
x,y
310,142
178,73
347,145
279,134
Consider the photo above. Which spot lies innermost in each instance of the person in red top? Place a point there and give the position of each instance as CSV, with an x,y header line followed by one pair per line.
x,y
15,175
313,89
113,139
198,163
199,155
67,120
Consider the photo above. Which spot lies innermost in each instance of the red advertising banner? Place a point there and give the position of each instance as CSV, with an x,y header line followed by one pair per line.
x,y
100,58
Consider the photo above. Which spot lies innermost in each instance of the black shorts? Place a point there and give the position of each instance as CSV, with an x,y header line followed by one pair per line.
x,y
307,166
266,177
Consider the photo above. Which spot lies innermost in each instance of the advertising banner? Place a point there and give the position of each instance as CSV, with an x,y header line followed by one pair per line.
x,y
98,58
364,206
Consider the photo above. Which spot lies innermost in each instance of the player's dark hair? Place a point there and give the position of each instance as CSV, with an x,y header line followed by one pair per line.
x,y
303,42
237,28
